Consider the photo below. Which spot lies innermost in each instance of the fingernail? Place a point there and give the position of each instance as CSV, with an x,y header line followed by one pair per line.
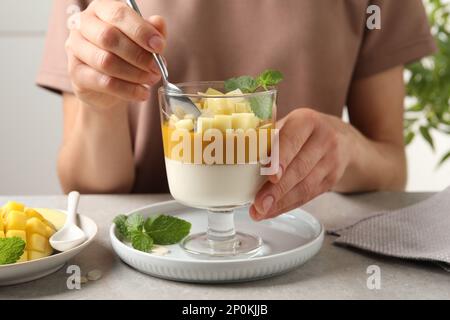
x,y
279,173
156,43
267,203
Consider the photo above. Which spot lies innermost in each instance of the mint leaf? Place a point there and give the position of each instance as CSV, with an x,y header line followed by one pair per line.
x,y
246,84
166,230
121,225
149,222
135,222
262,106
141,241
11,249
270,78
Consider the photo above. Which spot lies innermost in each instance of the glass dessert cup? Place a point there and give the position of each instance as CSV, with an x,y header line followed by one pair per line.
x,y
216,162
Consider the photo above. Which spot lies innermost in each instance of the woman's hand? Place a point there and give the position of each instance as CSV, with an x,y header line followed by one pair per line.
x,y
110,60
315,150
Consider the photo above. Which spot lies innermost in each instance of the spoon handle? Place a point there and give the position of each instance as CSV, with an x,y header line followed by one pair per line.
x,y
72,207
159,60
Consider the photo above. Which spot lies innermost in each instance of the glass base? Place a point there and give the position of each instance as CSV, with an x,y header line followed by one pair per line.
x,y
241,244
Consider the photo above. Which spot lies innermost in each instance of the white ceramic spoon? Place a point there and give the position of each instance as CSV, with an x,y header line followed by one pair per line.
x,y
70,235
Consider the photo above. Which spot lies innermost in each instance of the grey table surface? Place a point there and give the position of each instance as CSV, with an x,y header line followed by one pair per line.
x,y
334,273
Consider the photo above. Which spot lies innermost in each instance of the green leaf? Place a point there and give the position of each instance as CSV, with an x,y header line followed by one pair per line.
x,y
416,108
141,241
246,84
425,132
11,249
149,222
135,222
121,224
409,137
444,159
166,230
270,78
262,106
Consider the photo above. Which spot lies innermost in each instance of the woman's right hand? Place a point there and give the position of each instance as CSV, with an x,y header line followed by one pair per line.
x,y
109,54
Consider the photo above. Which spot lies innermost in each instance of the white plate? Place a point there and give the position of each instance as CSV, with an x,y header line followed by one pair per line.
x,y
289,241
32,270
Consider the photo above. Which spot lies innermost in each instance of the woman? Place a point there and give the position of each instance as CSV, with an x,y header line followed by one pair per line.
x,y
112,140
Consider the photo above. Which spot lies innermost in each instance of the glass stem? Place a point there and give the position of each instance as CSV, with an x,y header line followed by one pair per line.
x,y
221,226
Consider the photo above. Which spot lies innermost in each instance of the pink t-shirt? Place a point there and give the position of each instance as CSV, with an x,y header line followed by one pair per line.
x,y
321,46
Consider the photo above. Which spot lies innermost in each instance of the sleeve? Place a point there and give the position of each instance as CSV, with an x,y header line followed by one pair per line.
x,y
53,74
404,37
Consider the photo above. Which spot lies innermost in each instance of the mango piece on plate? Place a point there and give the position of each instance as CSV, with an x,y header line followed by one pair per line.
x,y
36,242
49,231
16,220
33,213
34,255
24,257
17,233
14,206
34,225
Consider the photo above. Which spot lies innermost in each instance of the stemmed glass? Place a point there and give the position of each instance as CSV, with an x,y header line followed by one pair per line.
x,y
218,161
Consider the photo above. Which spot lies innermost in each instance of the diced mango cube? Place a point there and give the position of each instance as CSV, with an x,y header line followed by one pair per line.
x,y
217,105
17,233
204,123
223,122
213,92
36,242
49,231
33,213
34,225
243,107
186,124
24,257
244,121
16,220
14,206
34,255
48,249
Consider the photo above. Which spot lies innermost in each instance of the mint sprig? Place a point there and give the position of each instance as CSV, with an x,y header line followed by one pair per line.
x,y
155,230
11,249
261,105
269,78
166,230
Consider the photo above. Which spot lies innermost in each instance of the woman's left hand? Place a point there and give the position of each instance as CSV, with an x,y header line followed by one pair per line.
x,y
315,150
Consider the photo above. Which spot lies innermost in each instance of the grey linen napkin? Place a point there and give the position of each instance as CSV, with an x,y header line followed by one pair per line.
x,y
418,232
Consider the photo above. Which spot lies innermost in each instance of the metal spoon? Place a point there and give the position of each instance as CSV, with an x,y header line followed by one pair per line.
x,y
70,235
175,102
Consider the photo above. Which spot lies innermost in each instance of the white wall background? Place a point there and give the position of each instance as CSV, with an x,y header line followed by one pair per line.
x,y
30,118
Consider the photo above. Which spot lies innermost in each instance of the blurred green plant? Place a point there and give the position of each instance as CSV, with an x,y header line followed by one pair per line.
x,y
428,87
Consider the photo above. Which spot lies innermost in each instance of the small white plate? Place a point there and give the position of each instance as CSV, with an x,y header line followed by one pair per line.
x,y
32,270
289,241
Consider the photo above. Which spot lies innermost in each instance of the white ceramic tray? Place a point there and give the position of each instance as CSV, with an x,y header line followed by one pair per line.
x,y
289,241
32,270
